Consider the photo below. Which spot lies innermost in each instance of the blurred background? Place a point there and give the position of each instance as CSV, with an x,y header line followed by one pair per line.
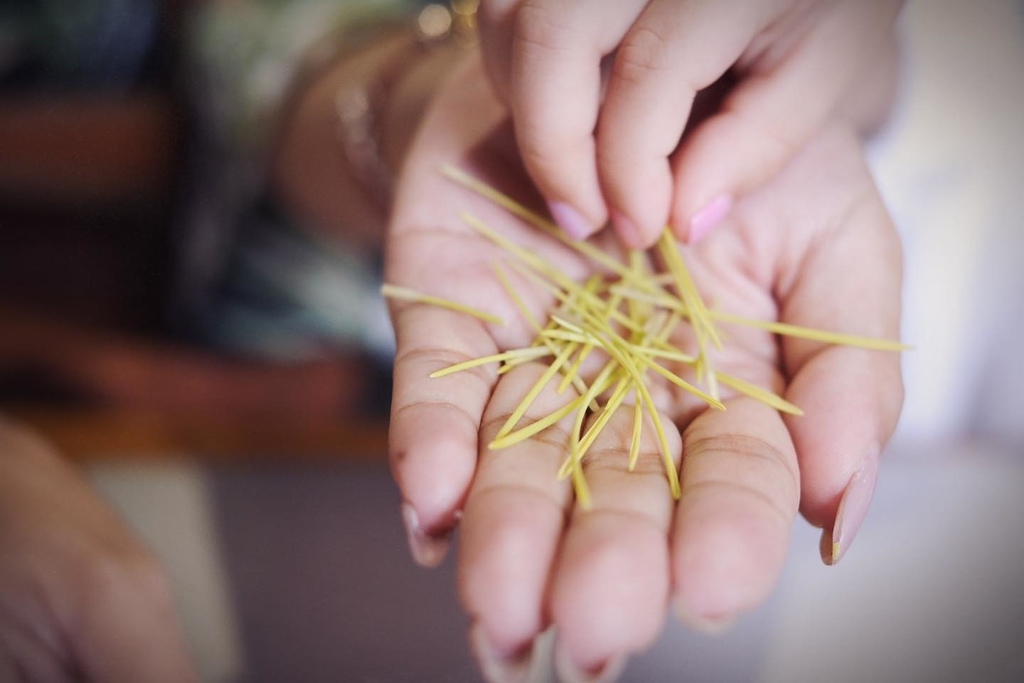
x,y
254,462
102,146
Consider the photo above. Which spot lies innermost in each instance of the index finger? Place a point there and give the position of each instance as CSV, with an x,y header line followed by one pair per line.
x,y
674,50
555,94
435,422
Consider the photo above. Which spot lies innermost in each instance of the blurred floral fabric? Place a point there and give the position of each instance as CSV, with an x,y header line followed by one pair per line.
x,y
250,279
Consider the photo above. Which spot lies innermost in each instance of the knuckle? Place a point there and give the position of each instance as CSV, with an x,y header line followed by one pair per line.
x,y
618,158
648,462
753,463
537,26
643,53
785,142
538,155
430,359
782,139
555,157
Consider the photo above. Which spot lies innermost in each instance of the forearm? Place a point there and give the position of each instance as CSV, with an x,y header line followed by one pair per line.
x,y
335,172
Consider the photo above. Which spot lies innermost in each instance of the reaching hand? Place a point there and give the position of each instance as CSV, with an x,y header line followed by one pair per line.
x,y
600,94
813,247
80,598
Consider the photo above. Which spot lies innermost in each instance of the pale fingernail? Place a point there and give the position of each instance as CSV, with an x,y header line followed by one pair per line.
x,y
628,233
427,550
853,508
570,220
708,625
708,218
498,666
568,672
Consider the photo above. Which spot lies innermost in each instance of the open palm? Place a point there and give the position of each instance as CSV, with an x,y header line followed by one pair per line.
x,y
814,248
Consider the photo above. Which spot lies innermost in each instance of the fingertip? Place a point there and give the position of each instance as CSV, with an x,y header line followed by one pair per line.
x,y
707,219
700,207
630,234
506,546
571,221
640,204
609,592
497,664
433,485
732,573
850,412
711,625
851,512
427,550
725,159
604,672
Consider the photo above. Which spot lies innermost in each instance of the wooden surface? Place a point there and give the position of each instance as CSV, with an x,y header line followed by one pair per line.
x,y
74,150
86,184
95,434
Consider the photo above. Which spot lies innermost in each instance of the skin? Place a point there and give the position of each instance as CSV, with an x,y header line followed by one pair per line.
x,y
81,599
601,93
814,246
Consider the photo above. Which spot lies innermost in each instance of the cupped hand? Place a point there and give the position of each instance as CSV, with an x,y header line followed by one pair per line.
x,y
80,598
601,93
814,247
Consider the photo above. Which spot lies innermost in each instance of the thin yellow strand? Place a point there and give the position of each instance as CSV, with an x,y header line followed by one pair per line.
x,y
526,353
406,294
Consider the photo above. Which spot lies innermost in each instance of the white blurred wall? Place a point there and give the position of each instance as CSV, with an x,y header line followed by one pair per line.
x,y
951,166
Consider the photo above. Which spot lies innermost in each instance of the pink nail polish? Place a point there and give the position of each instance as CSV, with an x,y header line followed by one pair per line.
x,y
497,666
708,218
570,220
427,550
853,508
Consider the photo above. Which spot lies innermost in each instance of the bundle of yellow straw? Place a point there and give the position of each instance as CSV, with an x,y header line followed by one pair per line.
x,y
629,315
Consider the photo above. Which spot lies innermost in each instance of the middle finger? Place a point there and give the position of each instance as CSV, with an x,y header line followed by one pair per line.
x,y
611,584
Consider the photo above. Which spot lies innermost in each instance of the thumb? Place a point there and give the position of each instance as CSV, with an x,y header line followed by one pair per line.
x,y
777,105
760,127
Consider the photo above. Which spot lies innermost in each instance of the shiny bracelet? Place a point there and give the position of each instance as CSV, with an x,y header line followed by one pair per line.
x,y
361,105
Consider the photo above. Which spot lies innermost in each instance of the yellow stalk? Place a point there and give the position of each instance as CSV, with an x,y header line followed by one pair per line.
x,y
519,435
534,392
634,441
790,330
527,353
752,390
406,294
630,319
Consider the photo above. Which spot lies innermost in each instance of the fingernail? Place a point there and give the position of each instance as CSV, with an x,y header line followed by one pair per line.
x,y
628,233
498,666
853,508
710,625
427,550
568,672
570,220
708,218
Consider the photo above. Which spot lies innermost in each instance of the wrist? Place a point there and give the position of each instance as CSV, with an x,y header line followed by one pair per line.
x,y
411,98
353,116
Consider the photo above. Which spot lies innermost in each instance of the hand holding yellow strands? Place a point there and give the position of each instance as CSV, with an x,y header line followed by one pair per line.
x,y
814,249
